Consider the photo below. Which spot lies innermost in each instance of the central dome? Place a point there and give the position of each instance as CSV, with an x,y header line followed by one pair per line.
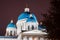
x,y
23,15
28,15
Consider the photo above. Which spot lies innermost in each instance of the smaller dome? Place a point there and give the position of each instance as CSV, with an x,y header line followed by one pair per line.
x,y
11,25
41,27
31,19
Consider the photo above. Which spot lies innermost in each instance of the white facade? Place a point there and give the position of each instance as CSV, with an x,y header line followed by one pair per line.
x,y
25,30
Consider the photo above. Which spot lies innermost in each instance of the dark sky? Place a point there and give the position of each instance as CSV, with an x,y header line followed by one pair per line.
x,y
10,9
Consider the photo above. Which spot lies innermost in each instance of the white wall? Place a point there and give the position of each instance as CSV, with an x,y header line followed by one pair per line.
x,y
20,25
30,25
8,39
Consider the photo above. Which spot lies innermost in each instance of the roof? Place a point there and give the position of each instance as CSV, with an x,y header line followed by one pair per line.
x,y
34,32
31,19
23,15
8,36
41,27
27,15
11,25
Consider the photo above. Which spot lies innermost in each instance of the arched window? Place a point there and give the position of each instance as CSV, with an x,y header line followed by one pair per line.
x,y
28,28
14,33
32,27
10,33
21,28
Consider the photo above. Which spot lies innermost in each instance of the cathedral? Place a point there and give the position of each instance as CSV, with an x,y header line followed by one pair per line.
x,y
26,28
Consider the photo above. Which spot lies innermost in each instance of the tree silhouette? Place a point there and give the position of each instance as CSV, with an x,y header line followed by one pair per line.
x,y
54,18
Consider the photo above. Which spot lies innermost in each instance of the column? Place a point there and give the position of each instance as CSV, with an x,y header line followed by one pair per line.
x,y
41,38
36,38
30,38
9,33
25,38
6,34
20,37
13,33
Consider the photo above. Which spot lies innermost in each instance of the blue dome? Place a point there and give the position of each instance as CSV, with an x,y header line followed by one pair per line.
x,y
41,27
27,15
11,25
31,19
23,15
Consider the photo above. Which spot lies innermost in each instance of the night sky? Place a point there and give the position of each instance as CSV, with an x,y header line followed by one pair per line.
x,y
11,9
